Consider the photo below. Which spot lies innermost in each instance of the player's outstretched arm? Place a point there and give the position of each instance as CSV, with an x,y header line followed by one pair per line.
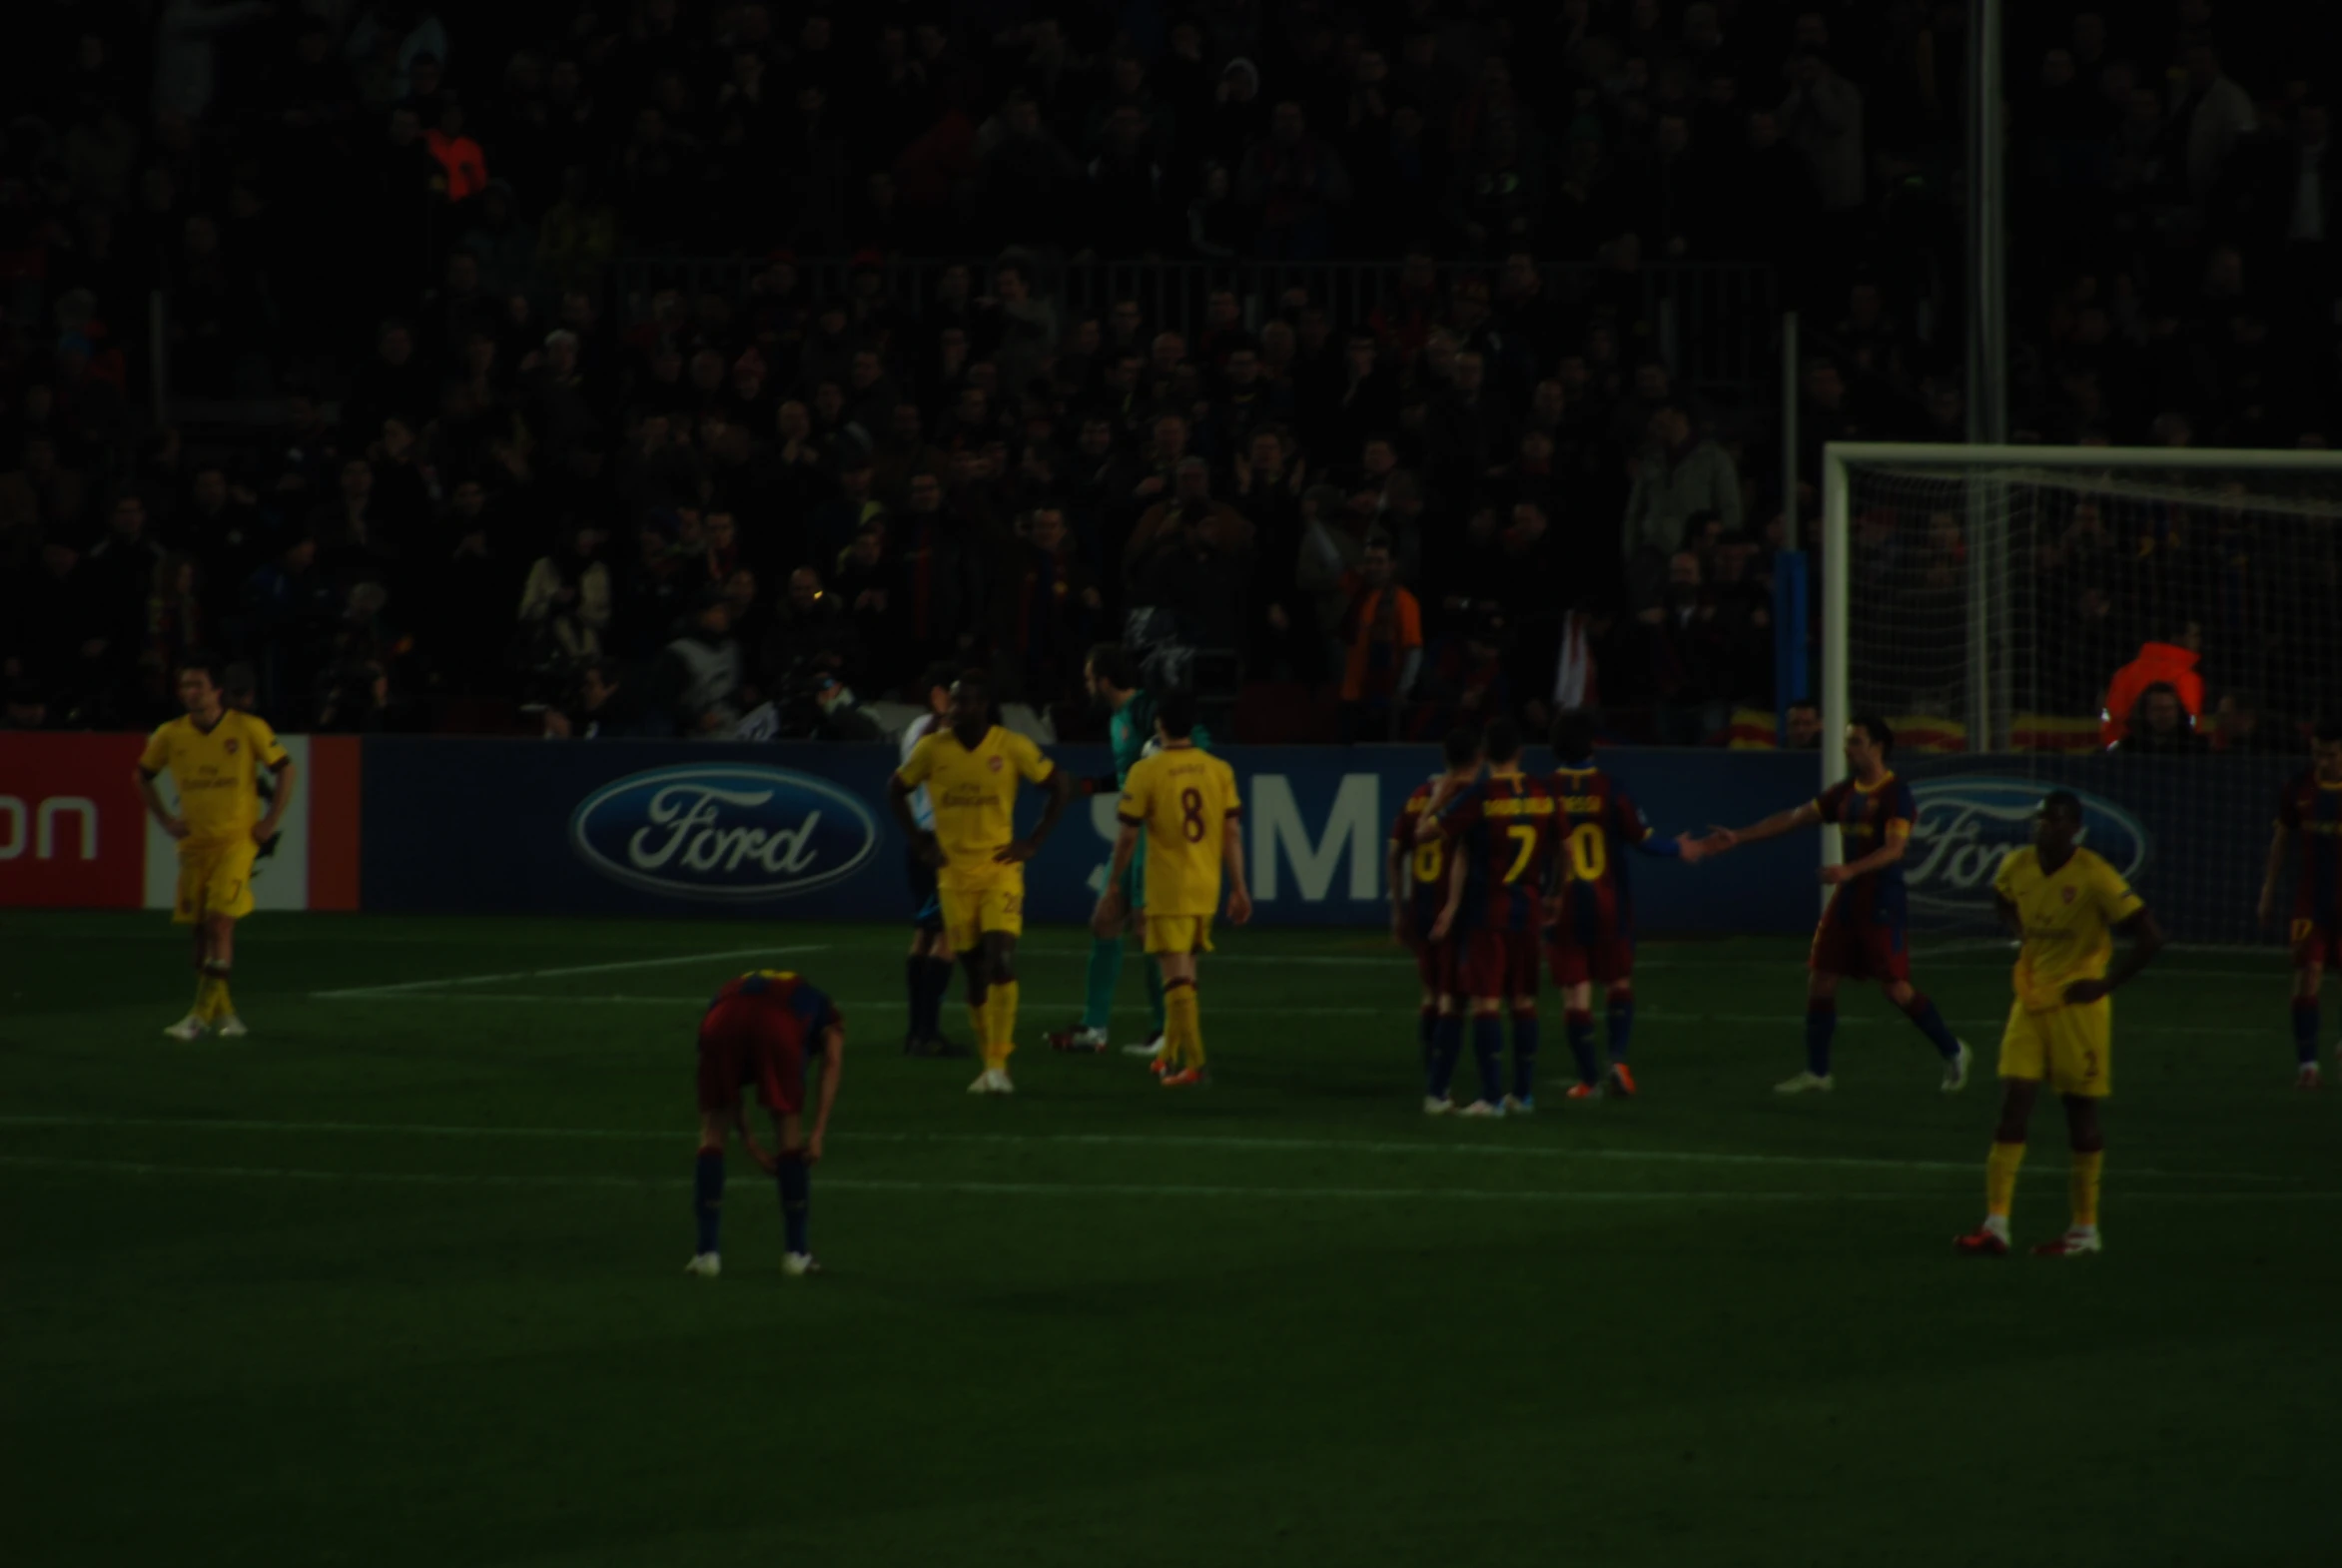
x,y
1232,849
833,1049
2146,940
2280,844
1771,827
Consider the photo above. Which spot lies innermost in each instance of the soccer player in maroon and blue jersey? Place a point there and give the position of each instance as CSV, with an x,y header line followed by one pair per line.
x,y
756,1035
2310,810
1415,871
1500,837
1591,940
1864,930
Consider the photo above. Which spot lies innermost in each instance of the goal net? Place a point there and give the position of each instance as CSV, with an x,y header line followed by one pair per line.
x,y
2154,630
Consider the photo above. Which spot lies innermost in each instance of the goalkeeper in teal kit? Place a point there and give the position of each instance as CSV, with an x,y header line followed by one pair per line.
x,y
1114,685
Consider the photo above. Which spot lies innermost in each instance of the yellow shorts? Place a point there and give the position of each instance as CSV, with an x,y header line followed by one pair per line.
x,y
2070,1047
214,878
997,905
1178,933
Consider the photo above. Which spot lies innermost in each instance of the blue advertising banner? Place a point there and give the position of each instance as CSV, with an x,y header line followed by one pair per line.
x,y
802,832
799,832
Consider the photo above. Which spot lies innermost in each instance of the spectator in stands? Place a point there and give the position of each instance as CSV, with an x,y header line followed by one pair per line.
x,y
1687,654
2161,726
1678,476
604,707
698,676
2239,730
1193,557
1804,726
1382,654
2169,661
942,576
1296,181
565,606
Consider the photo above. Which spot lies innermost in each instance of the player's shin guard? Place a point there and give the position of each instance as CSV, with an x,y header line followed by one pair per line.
x,y
1001,1007
707,1197
796,1180
1524,1056
1622,1025
1578,1024
1447,1045
1921,1012
1488,1051
2305,1031
2082,1187
2000,1167
1821,1023
1183,1025
1105,971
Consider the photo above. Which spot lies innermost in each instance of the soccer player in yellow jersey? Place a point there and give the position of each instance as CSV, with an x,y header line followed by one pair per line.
x,y
2066,903
970,768
215,755
1184,799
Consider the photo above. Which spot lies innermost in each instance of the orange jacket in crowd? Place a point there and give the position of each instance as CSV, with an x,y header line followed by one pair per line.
x,y
466,166
1381,638
2163,663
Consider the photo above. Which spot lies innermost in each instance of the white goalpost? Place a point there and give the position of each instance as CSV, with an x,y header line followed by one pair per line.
x,y
1982,598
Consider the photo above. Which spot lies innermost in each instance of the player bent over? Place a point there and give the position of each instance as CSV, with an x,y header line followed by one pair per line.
x,y
1179,804
2311,810
2066,903
1865,929
757,1034
216,756
1500,834
1415,870
1591,940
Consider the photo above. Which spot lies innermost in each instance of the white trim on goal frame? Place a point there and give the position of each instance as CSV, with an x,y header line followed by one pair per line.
x,y
1837,528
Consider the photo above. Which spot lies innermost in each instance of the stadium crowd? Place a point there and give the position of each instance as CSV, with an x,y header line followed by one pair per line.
x,y
493,478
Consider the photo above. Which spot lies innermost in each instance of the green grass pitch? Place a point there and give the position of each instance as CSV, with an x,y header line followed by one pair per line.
x,y
397,1279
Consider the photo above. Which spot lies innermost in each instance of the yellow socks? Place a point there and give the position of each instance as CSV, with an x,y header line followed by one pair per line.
x,y
2000,1168
999,1024
2081,1182
211,997
1182,1027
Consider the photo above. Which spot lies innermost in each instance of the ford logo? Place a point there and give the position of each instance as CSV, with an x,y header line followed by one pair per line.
x,y
723,831
1968,823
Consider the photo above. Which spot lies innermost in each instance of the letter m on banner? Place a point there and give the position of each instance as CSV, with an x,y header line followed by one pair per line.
x,y
1353,823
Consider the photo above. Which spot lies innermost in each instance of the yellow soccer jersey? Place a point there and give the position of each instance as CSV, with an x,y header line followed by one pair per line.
x,y
217,771
2068,919
1183,798
974,797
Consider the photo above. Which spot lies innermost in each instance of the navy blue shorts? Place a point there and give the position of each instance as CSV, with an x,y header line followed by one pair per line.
x,y
927,908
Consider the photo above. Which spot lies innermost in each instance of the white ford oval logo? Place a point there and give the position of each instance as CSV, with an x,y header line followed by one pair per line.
x,y
723,831
1968,823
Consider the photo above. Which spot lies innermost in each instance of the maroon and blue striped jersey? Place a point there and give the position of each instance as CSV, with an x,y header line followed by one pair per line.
x,y
787,998
1594,824
1424,865
2313,812
1503,829
1868,820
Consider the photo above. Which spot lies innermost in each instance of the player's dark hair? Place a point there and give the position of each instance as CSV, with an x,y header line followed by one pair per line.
x,y
1462,746
2327,731
1502,741
1111,662
1874,727
210,664
1177,714
2063,800
1573,735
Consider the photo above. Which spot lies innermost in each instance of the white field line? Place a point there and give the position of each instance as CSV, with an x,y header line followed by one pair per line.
x,y
443,981
1150,1191
1135,1140
1396,1011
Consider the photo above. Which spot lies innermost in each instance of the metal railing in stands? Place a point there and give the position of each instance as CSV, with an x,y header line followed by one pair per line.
x,y
1714,323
